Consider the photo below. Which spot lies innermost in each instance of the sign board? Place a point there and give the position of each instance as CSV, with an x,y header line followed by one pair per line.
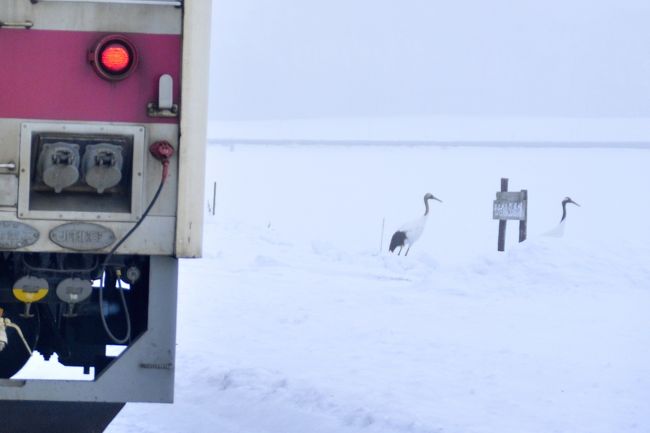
x,y
510,206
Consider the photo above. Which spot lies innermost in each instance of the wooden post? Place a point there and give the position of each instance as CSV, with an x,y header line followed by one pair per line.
x,y
502,223
523,224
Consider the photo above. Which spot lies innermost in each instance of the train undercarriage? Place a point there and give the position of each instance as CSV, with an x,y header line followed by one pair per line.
x,y
141,370
78,308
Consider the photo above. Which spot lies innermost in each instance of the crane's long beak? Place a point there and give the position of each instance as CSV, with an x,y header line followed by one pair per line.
x,y
436,198
575,203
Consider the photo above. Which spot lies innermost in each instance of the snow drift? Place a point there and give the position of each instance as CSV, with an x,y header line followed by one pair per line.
x,y
296,321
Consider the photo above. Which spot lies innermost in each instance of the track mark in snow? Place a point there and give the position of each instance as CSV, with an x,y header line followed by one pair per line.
x,y
267,387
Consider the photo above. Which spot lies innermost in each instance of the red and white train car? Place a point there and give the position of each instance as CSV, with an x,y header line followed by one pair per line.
x,y
102,145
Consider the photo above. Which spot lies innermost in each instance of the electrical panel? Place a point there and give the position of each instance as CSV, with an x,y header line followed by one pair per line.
x,y
81,172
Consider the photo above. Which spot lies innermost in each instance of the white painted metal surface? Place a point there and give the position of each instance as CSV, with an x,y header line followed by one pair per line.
x,y
138,2
87,16
155,236
192,149
8,190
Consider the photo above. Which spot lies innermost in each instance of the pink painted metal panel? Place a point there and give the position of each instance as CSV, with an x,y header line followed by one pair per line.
x,y
45,75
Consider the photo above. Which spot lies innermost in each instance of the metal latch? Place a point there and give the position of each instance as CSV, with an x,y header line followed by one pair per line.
x,y
63,156
165,106
105,158
17,25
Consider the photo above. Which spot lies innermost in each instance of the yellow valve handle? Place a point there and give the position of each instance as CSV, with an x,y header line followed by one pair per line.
x,y
31,296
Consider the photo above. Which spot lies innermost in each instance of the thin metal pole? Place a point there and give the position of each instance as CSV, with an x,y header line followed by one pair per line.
x,y
214,197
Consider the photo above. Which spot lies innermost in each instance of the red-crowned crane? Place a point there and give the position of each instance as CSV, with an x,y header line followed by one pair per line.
x,y
558,231
411,232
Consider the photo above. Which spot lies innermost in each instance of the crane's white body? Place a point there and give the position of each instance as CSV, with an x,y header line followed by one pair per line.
x,y
558,231
410,232
414,230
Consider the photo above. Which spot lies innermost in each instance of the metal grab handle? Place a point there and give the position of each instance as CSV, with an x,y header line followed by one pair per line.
x,y
24,24
8,165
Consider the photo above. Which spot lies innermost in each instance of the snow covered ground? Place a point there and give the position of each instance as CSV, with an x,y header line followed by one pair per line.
x,y
295,321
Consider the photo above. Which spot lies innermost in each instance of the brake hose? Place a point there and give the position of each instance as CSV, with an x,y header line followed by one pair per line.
x,y
162,151
127,316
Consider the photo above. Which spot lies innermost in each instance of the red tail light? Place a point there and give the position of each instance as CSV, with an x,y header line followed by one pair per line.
x,y
114,57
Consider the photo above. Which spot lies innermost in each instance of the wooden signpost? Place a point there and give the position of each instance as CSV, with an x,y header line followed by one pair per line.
x,y
510,205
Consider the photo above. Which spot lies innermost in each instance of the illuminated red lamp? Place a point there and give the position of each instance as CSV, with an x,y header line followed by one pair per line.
x,y
114,57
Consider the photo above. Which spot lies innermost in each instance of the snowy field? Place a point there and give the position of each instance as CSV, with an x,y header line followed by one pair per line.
x,y
295,321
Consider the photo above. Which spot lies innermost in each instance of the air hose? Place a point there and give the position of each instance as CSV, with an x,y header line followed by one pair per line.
x,y
162,151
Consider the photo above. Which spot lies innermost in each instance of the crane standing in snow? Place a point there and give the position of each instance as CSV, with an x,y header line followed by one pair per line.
x,y
411,232
559,230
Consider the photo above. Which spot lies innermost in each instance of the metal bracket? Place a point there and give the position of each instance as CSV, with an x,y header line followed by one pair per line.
x,y
154,111
165,106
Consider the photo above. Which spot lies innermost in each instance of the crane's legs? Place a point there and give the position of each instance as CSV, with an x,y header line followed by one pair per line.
x,y
400,250
407,251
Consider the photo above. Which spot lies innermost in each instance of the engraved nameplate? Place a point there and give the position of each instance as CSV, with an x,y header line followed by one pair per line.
x,y
16,235
82,236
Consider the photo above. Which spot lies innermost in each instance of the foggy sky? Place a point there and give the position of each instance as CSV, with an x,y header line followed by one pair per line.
x,y
342,58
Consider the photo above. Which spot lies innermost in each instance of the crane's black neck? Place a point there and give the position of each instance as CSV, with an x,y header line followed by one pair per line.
x,y
563,210
426,207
